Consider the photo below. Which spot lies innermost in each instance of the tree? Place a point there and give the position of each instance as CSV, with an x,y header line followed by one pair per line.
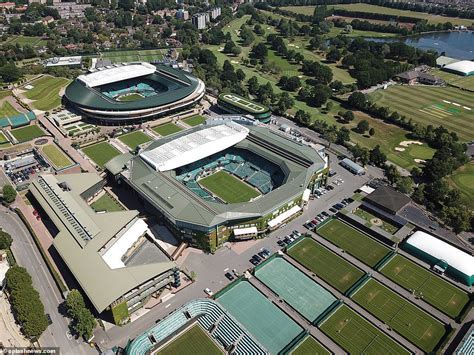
x,y
84,323
371,131
303,117
74,303
17,277
343,135
357,100
348,116
319,95
377,157
333,55
330,136
362,126
260,51
405,184
240,74
5,240
392,174
9,72
9,193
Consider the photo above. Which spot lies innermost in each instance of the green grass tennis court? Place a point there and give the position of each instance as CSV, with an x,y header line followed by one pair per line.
x,y
3,139
134,139
309,346
357,336
193,341
7,110
195,120
265,321
106,203
298,290
45,92
436,291
25,134
405,318
228,188
333,269
167,129
56,156
354,242
101,153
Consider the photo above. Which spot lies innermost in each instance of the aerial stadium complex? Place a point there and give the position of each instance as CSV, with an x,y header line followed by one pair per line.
x,y
133,92
223,180
233,103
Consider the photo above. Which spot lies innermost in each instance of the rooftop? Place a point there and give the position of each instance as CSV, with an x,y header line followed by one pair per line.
x,y
112,74
62,61
464,67
388,198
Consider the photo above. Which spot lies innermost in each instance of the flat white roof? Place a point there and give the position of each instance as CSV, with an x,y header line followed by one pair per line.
x,y
114,74
463,66
245,231
61,61
367,189
306,195
195,146
285,215
435,247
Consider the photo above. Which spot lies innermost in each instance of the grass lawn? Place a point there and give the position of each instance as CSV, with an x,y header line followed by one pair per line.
x,y
193,341
167,129
463,179
386,226
106,203
22,40
134,139
309,346
195,120
130,97
56,156
463,82
405,318
439,293
357,336
101,153
3,139
448,106
4,93
45,92
25,134
7,110
328,266
354,242
228,187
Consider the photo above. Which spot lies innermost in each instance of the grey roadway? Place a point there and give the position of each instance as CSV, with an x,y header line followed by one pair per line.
x,y
27,255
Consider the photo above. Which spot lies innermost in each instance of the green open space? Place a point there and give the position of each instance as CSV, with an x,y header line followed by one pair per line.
x,y
447,106
310,346
130,97
167,129
4,93
463,179
23,40
330,267
264,320
56,156
101,153
195,120
193,341
45,92
357,336
7,110
106,203
132,55
3,139
433,289
228,188
134,139
298,290
354,242
369,217
25,134
405,318
459,81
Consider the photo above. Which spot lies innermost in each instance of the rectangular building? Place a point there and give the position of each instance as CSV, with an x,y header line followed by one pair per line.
x,y
199,21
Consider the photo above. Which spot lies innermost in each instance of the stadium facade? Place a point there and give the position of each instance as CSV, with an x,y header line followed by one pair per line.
x,y
236,104
167,174
124,93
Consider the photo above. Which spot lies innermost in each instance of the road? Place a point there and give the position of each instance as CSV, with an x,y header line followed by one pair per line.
x,y
27,255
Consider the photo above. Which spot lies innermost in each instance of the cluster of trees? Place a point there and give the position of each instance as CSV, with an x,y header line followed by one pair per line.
x,y
278,45
231,48
8,194
5,240
292,83
83,321
26,303
364,25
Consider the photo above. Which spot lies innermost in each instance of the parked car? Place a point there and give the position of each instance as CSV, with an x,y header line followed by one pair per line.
x,y
333,210
297,233
281,243
326,214
229,276
257,258
266,251
208,292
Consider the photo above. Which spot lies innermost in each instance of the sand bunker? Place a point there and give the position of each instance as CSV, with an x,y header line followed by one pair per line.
x,y
407,143
398,149
419,161
234,62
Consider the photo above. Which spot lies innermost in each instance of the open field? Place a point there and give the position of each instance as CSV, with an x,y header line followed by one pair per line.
x,y
25,134
3,139
449,107
405,318
133,55
134,139
7,110
310,346
56,156
463,179
101,153
22,40
106,203
328,266
436,291
167,129
463,82
354,242
45,92
228,188
195,120
386,226
193,341
357,336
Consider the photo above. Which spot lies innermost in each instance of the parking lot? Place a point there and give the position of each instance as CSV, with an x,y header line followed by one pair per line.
x,y
21,169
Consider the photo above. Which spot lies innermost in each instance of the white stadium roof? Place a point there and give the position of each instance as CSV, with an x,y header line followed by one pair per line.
x,y
117,73
435,247
195,146
464,67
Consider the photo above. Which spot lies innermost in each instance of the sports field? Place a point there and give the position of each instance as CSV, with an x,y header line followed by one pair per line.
x,y
298,290
463,179
405,318
310,346
3,139
133,55
228,188
101,153
7,110
449,107
167,129
25,134
22,40
45,92
134,139
436,291
130,97
193,341
354,242
463,82
333,269
106,203
265,321
195,120
56,156
357,336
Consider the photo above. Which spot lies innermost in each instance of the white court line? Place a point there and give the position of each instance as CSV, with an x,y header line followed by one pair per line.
x,y
456,104
448,102
467,108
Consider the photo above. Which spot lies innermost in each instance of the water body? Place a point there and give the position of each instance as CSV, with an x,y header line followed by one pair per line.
x,y
458,45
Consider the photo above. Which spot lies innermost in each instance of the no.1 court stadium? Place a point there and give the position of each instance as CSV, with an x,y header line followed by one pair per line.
x,y
237,104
